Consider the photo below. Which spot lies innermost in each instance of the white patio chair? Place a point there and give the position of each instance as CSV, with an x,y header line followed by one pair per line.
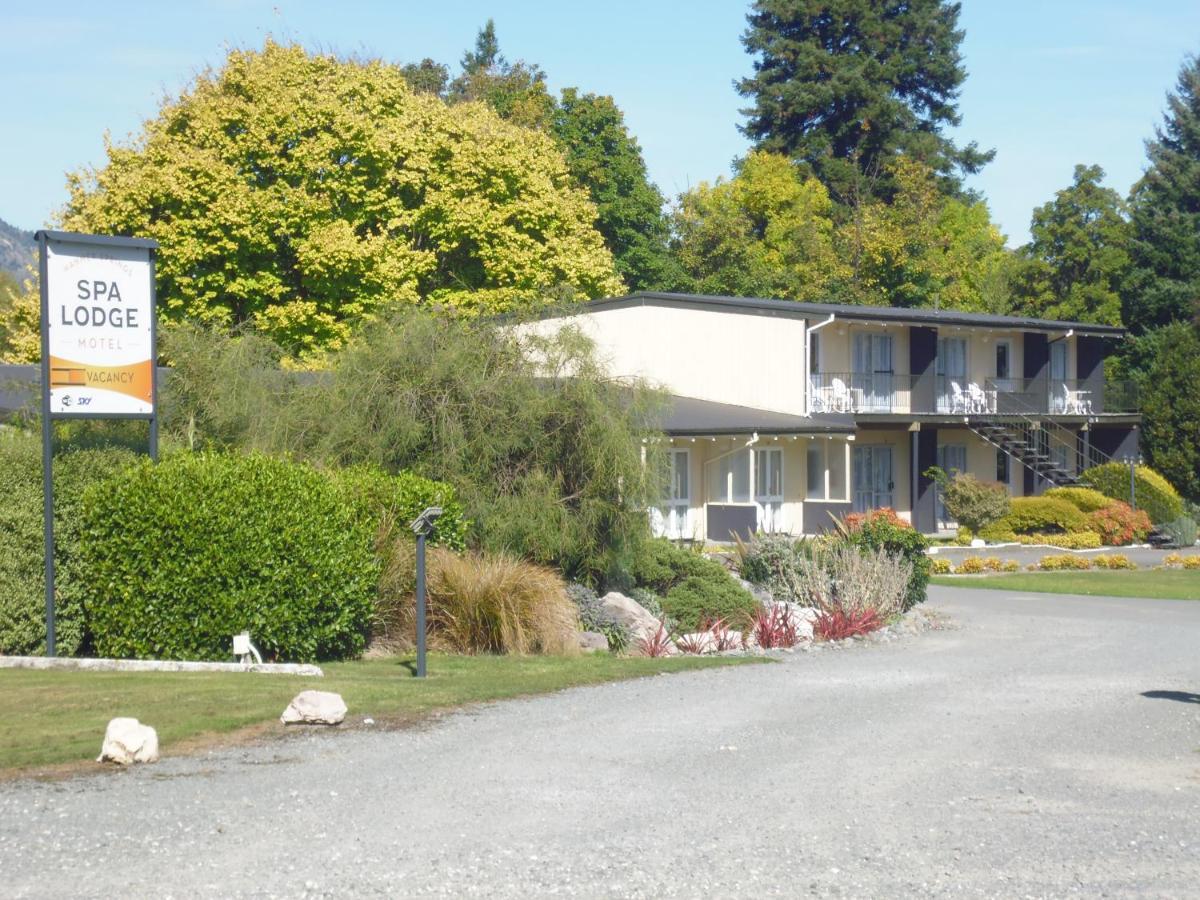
x,y
976,398
959,402
1076,403
842,400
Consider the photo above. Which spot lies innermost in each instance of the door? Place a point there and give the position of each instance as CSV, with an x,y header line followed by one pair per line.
x,y
873,371
952,373
768,489
951,458
676,521
1004,380
874,485
1058,376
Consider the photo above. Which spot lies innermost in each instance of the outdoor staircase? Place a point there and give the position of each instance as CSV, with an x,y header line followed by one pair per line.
x,y
1030,446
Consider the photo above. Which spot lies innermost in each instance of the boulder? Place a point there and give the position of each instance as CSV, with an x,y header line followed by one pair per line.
x,y
128,741
757,591
315,708
592,642
640,622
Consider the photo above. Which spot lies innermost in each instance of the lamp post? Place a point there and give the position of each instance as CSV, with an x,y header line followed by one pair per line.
x,y
421,526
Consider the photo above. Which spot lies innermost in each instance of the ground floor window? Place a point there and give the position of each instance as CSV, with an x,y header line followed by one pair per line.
x,y
768,489
874,482
675,508
1003,467
951,458
827,464
729,478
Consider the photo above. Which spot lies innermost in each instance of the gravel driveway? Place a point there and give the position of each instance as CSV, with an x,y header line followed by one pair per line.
x,y
1015,755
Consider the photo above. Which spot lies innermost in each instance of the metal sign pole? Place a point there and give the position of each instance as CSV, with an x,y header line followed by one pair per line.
x,y
420,605
47,448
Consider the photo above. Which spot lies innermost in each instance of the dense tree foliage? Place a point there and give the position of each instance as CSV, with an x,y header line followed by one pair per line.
x,y
300,193
1078,258
1164,285
845,85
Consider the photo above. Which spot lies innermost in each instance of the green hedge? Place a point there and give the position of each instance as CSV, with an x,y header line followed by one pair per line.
x,y
1038,515
1154,493
694,588
375,496
22,581
183,555
1084,499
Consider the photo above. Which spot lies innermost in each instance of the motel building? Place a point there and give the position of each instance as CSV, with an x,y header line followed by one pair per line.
x,y
783,413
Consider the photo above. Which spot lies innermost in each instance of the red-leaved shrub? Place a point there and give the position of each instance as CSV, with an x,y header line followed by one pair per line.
x,y
1119,524
657,644
854,521
836,624
775,627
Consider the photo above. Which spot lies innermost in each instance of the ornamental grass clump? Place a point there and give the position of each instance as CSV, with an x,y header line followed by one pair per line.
x,y
852,588
492,603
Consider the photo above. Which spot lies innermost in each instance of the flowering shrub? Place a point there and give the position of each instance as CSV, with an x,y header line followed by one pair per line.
x,y
939,566
1064,561
1010,565
1172,559
1119,524
854,521
1113,561
1191,562
972,565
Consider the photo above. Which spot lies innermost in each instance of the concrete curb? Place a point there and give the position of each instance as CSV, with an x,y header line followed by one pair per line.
x,y
154,665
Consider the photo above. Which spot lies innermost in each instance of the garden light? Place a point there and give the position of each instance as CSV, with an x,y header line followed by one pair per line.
x,y
421,526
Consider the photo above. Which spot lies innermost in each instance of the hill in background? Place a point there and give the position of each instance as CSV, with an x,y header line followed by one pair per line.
x,y
16,250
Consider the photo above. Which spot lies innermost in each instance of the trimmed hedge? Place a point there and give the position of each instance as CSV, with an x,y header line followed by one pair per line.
x,y
183,555
1084,499
694,588
22,581
1037,515
374,497
1154,493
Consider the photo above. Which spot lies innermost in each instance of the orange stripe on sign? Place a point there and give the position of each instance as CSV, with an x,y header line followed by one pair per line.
x,y
134,380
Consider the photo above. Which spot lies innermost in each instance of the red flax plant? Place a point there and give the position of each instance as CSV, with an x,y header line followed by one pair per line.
x,y
658,644
775,627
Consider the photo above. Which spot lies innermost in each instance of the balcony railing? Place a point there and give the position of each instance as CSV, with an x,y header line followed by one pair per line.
x,y
862,392
895,393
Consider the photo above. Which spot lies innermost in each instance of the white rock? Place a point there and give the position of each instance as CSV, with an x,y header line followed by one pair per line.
x,y
978,542
128,741
315,708
592,642
640,622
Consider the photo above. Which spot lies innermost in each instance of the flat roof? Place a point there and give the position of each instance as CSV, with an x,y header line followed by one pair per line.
x,y
796,309
692,417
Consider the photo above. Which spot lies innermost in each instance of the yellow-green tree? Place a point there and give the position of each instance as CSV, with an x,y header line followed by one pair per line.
x,y
299,193
924,249
767,232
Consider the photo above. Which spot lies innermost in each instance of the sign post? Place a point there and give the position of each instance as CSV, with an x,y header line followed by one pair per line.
x,y
98,347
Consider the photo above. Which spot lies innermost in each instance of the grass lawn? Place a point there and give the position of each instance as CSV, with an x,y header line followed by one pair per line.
x,y
1159,584
58,717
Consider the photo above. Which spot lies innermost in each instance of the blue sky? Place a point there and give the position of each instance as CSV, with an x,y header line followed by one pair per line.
x,y
1050,84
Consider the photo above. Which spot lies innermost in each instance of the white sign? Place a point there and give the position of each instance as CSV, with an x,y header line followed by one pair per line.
x,y
100,320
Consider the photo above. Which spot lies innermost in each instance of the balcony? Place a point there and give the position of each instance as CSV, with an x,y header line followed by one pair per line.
x,y
889,393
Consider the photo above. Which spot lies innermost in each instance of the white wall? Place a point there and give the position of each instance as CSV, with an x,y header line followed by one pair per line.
x,y
725,357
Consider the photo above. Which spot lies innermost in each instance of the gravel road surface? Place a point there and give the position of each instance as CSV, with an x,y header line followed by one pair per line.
x,y
1045,746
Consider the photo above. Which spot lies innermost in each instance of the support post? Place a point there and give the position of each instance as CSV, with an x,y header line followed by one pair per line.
x,y
1132,482
47,448
420,605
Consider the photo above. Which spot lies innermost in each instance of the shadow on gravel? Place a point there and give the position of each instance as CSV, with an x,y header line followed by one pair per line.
x,y
1179,696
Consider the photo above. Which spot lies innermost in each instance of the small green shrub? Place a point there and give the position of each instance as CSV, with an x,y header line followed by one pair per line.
x,y
1181,532
902,541
1038,515
182,555
22,550
594,616
1153,492
1084,499
374,497
693,587
974,503
1113,561
939,566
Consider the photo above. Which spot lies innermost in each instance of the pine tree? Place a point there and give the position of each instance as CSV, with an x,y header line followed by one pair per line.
x,y
844,85
1165,283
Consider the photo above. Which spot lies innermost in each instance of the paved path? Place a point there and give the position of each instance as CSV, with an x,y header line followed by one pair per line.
x,y
1017,755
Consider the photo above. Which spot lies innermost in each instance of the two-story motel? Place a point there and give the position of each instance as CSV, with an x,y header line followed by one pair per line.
x,y
783,413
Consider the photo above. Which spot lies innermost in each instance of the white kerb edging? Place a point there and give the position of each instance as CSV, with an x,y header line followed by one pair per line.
x,y
155,665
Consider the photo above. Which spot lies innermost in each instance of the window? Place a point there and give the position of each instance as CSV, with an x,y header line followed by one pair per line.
x,y
1003,359
951,458
873,480
729,478
1003,467
814,354
826,464
768,488
675,518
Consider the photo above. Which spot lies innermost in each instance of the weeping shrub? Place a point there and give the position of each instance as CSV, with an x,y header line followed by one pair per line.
x,y
1153,492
